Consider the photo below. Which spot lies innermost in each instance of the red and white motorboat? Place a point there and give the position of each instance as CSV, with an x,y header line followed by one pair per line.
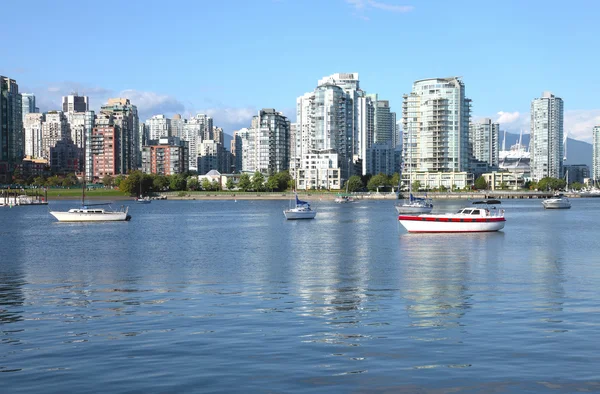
x,y
483,217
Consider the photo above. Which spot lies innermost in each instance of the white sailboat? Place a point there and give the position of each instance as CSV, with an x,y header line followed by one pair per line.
x,y
90,213
302,210
413,205
141,199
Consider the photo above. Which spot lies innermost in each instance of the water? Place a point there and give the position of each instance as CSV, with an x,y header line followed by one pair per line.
x,y
223,296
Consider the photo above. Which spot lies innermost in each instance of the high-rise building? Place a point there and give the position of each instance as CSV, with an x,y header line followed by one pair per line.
x,y
546,141
158,126
105,147
29,107
12,142
265,146
596,153
65,157
380,136
165,156
124,116
177,126
32,126
212,156
380,159
75,103
81,125
54,128
484,139
435,123
385,124
325,123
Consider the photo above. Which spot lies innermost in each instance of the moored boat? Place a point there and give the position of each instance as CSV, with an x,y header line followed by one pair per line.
x,y
302,210
557,202
90,214
143,200
415,205
484,217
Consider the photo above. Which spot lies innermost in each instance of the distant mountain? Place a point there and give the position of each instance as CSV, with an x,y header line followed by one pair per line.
x,y
578,152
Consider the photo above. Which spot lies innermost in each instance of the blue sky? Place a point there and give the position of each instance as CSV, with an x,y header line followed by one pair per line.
x,y
229,58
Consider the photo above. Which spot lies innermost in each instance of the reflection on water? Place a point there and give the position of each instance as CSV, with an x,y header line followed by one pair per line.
x,y
223,294
11,298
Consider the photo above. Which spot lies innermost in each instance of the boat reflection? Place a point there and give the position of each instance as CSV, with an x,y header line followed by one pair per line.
x,y
435,280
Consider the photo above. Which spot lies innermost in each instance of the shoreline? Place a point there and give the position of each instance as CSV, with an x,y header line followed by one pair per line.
x,y
195,196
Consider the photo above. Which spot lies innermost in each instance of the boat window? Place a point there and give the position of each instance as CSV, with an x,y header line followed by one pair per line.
x,y
466,211
475,212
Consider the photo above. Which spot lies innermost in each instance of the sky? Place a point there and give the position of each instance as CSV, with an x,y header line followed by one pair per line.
x,y
230,58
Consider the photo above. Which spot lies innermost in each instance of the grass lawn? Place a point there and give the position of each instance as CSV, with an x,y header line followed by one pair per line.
x,y
76,192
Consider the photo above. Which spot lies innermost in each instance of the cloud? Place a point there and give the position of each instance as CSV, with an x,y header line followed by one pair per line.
x,y
151,103
363,5
507,117
579,123
229,118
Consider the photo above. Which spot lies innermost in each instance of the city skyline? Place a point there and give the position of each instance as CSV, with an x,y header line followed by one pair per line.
x,y
233,82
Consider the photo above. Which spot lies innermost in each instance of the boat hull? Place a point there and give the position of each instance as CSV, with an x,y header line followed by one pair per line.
x,y
297,215
91,217
441,224
556,205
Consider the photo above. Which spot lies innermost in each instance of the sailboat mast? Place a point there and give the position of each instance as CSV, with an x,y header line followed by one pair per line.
x,y
84,169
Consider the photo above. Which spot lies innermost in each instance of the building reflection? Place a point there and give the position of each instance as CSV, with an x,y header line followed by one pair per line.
x,y
547,257
437,272
11,297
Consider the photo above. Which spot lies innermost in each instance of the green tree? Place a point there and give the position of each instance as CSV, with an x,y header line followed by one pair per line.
x,y
107,180
284,178
576,186
39,181
503,186
215,185
354,183
193,184
160,183
258,181
245,184
54,181
480,183
206,185
443,188
67,182
177,182
376,181
229,184
395,179
273,183
416,185
118,179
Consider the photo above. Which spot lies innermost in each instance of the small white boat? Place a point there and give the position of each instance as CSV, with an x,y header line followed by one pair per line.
x,y
415,206
143,200
557,202
301,211
482,218
343,199
90,214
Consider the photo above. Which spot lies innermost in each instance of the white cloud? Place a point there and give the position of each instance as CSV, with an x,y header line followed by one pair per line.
x,y
579,123
507,117
363,5
151,103
229,118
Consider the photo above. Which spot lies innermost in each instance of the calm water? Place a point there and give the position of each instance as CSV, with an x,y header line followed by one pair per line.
x,y
218,296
